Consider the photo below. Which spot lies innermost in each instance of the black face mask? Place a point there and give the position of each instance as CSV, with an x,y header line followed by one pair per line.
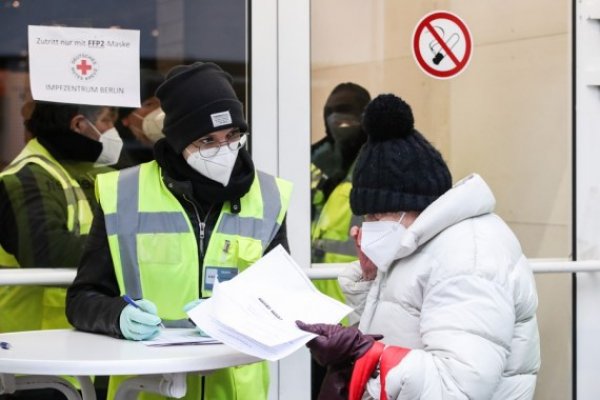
x,y
345,131
345,136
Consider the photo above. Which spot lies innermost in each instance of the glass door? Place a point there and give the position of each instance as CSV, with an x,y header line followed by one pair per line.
x,y
171,32
506,117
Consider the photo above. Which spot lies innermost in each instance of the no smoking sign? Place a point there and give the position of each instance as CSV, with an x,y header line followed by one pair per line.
x,y
442,45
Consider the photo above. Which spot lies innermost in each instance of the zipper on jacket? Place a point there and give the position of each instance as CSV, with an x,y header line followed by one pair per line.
x,y
201,224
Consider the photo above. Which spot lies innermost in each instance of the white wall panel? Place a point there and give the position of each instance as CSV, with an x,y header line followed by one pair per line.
x,y
281,142
588,199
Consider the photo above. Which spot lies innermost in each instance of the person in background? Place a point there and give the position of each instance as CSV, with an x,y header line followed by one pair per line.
x,y
333,160
46,203
333,156
331,213
46,207
200,211
141,127
439,275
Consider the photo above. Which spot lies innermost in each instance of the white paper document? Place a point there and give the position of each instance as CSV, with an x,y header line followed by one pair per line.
x,y
255,312
85,65
179,336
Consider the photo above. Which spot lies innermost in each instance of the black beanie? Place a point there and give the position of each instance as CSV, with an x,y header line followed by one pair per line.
x,y
198,99
397,169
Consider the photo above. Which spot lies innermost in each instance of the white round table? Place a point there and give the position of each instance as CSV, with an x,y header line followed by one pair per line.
x,y
52,353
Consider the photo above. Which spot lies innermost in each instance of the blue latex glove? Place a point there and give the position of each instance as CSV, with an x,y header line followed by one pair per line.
x,y
191,305
140,323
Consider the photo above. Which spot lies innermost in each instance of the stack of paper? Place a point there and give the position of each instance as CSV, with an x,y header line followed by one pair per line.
x,y
255,312
177,337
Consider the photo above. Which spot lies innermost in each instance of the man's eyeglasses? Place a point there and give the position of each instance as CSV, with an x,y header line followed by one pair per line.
x,y
208,146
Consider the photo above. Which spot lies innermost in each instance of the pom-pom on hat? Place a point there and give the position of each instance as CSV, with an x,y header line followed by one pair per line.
x,y
198,99
397,169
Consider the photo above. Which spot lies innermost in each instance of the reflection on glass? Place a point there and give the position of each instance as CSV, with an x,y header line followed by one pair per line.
x,y
332,161
54,194
169,32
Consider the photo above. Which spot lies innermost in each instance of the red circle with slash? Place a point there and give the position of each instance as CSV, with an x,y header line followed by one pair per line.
x,y
460,61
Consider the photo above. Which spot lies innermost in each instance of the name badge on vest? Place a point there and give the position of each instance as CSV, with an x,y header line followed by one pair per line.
x,y
221,273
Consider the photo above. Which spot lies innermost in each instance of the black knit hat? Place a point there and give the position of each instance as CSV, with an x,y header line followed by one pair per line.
x,y
198,99
397,169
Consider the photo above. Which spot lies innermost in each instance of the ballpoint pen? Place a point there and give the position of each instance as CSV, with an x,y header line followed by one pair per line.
x,y
129,300
4,345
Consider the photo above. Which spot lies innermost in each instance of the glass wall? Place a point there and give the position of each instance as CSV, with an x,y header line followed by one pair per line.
x,y
171,32
507,117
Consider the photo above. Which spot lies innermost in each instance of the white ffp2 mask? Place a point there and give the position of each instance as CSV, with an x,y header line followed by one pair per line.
x,y
385,241
112,144
152,124
218,168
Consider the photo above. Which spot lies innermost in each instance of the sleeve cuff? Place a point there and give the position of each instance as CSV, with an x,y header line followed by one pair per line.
x,y
363,369
391,356
350,279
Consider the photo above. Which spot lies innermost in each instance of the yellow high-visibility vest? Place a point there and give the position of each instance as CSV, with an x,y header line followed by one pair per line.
x,y
39,307
79,213
156,257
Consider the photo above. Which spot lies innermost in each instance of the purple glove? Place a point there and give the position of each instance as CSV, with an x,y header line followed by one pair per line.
x,y
337,344
337,348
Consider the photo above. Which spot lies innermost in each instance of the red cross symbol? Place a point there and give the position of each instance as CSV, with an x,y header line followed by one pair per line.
x,y
83,66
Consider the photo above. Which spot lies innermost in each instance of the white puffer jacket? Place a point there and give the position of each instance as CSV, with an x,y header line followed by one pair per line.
x,y
463,302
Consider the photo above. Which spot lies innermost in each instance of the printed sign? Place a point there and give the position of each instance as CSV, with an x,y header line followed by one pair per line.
x,y
442,45
85,65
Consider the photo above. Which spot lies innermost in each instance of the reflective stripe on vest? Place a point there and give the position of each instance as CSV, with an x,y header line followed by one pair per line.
x,y
79,213
330,236
128,221
257,228
345,247
122,194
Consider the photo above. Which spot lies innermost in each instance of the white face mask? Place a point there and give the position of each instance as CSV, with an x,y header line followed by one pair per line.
x,y
111,146
218,168
382,242
152,124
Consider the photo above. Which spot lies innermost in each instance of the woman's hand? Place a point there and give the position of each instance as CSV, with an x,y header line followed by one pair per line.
x,y
369,270
336,344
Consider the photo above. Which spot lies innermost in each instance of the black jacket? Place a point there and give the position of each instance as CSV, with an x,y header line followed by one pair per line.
x,y
33,207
